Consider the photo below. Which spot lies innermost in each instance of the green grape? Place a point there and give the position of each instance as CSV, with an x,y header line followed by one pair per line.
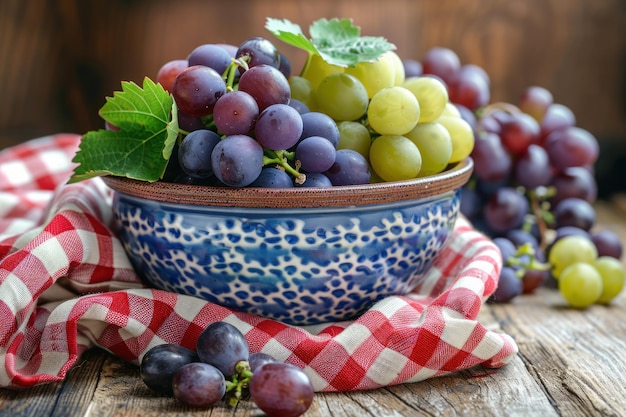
x,y
374,75
462,136
569,250
342,97
393,111
302,89
451,110
395,158
398,65
435,146
355,136
432,95
580,284
316,69
613,275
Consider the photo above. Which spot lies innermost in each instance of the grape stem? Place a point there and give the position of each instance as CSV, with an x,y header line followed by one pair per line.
x,y
530,263
281,158
238,382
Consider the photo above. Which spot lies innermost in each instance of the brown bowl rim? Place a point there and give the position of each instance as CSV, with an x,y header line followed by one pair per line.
x,y
354,195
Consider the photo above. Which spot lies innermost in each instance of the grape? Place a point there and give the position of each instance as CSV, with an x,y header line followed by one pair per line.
x,y
471,203
199,385
451,109
349,168
462,136
258,359
533,279
194,155
316,69
509,286
535,102
169,71
266,84
398,67
319,124
161,362
569,250
571,147
412,68
222,345
575,212
613,275
300,107
235,113
518,132
316,154
505,210
212,56
259,51
374,75
278,127
574,182
315,179
435,146
533,169
302,90
580,284
442,62
342,97
196,90
393,111
506,246
189,123
608,243
355,136
469,88
557,117
395,158
271,177
491,161
521,237
431,94
285,65
281,390
237,160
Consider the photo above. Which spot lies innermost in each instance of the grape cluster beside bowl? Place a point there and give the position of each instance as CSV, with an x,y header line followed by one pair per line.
x,y
301,198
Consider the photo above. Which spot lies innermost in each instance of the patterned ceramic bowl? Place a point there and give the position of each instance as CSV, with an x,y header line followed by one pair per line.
x,y
301,255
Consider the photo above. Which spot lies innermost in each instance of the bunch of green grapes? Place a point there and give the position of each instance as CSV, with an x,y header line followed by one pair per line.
x,y
406,127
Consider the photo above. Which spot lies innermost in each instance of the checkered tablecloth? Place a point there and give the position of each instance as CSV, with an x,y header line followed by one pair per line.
x,y
66,285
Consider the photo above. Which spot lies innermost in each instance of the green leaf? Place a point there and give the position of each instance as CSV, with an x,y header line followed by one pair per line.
x,y
337,41
141,148
290,33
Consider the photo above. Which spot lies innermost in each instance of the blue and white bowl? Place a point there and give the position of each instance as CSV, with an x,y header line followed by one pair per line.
x,y
302,255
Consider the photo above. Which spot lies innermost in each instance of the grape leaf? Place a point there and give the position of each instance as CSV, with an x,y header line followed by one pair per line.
x,y
141,148
337,41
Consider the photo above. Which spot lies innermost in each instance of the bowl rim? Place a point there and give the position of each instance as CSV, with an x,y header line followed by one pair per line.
x,y
451,179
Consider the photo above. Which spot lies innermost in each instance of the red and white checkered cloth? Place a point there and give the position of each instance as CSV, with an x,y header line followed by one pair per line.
x,y
66,285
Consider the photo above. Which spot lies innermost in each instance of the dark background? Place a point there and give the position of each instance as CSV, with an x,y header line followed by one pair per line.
x,y
59,59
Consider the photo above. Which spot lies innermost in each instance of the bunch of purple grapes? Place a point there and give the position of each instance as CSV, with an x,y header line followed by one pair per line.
x,y
242,128
221,368
533,181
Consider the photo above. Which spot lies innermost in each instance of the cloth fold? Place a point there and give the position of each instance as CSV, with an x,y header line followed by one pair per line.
x,y
66,285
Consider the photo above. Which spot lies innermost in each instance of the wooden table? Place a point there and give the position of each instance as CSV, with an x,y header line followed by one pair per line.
x,y
570,363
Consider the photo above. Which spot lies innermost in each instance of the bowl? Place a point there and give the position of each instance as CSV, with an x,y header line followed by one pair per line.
x,y
300,255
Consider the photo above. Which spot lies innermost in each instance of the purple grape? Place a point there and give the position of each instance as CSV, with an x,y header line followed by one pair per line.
x,y
506,246
271,177
299,106
571,147
520,237
199,384
237,160
491,161
281,390
608,243
258,359
505,210
412,68
533,279
285,65
196,90
471,202
349,168
278,127
259,51
574,182
315,179
316,154
518,132
160,363
574,212
212,56
320,124
533,169
556,117
235,113
189,123
266,84
509,286
222,345
442,62
468,88
194,155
